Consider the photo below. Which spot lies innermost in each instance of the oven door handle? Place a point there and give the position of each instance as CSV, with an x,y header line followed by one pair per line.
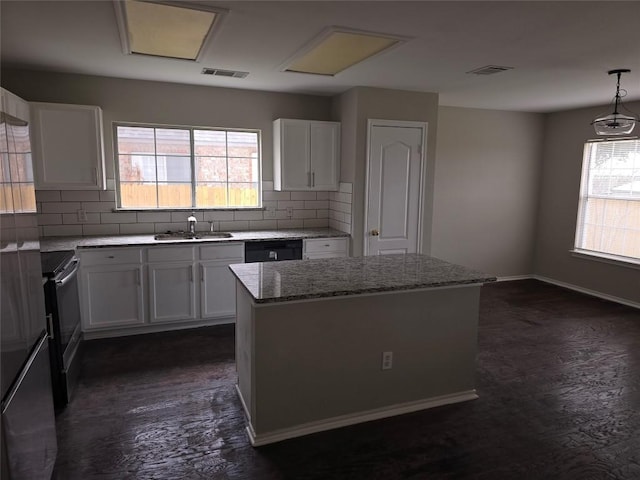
x,y
69,276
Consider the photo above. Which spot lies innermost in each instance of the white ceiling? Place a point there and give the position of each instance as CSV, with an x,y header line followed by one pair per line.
x,y
560,50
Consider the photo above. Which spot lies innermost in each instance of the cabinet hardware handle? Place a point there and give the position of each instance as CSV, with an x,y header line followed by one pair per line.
x,y
375,233
309,179
191,274
95,176
201,273
313,179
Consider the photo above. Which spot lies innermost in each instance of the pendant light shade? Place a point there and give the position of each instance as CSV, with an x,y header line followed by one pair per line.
x,y
616,123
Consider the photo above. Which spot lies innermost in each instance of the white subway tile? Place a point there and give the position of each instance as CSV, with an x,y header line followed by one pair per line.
x,y
248,215
50,219
316,222
218,215
72,218
137,228
322,213
177,217
118,217
98,206
47,195
322,195
336,215
283,224
304,214
108,196
340,226
60,207
340,207
281,215
316,204
153,217
303,196
235,225
112,229
80,196
270,204
263,225
346,187
347,218
61,230
276,196
267,185
284,204
167,226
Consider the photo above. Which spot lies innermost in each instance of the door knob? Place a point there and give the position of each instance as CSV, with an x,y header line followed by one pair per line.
x,y
375,232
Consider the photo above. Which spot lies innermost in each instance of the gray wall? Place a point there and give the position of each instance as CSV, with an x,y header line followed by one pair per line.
x,y
169,103
565,135
353,109
486,189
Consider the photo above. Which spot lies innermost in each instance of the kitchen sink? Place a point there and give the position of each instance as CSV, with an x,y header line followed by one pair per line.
x,y
190,236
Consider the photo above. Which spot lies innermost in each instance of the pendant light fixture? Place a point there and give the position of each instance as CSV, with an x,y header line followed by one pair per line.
x,y
616,123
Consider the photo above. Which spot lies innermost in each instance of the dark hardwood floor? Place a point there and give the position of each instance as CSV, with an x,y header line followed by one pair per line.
x,y
558,377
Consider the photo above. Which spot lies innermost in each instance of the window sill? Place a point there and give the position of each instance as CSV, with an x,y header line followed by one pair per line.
x,y
620,261
232,209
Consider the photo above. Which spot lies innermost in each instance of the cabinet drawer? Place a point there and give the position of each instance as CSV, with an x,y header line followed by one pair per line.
x,y
169,254
228,250
321,245
110,256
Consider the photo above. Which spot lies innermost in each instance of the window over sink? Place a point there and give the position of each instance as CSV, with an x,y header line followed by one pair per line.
x,y
174,167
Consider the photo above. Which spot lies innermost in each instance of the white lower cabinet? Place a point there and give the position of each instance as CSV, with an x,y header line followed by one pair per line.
x,y
172,293
168,287
111,289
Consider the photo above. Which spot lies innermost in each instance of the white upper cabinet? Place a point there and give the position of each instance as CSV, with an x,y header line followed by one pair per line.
x,y
68,147
306,155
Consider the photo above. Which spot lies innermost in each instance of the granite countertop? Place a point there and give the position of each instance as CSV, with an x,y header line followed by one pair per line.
x,y
50,244
329,277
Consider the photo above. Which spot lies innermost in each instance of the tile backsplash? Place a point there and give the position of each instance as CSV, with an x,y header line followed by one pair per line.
x,y
58,213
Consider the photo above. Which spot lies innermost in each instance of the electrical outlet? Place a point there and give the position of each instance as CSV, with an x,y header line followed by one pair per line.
x,y
289,212
387,360
82,215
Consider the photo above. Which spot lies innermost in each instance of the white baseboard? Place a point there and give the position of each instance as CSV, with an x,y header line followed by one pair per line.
x,y
587,291
154,328
352,419
511,278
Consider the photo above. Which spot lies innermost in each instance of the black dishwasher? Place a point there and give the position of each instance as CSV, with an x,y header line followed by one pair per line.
x,y
272,250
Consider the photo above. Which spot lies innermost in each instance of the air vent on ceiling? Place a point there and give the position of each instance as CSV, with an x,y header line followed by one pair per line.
x,y
489,70
224,73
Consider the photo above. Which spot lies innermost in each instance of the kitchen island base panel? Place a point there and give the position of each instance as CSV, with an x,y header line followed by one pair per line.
x,y
258,440
309,365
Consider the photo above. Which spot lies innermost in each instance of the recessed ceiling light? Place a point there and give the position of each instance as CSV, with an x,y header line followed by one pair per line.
x,y
337,49
166,29
489,70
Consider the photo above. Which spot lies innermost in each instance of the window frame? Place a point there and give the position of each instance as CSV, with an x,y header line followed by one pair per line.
x,y
598,255
191,129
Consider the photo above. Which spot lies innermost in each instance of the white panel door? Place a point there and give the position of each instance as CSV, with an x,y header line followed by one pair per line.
x,y
394,188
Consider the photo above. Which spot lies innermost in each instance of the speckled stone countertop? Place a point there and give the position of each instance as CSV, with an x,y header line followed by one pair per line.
x,y
329,277
50,244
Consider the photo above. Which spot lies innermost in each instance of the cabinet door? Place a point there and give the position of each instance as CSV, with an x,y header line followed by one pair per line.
x,y
111,296
325,155
218,289
172,294
291,155
68,147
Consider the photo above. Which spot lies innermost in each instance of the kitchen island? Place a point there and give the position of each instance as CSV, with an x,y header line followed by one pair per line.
x,y
326,343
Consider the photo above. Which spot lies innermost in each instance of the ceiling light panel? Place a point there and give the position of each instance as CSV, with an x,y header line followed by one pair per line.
x,y
165,29
338,49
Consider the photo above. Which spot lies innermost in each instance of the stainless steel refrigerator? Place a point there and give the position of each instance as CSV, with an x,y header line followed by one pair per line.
x,y
28,442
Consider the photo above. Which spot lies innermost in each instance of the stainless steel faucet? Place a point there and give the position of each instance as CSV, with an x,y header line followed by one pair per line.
x,y
191,221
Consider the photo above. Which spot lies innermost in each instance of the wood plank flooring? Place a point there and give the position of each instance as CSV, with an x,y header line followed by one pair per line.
x,y
558,378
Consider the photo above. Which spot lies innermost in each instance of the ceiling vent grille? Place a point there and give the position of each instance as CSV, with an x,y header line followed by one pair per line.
x,y
218,72
489,70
